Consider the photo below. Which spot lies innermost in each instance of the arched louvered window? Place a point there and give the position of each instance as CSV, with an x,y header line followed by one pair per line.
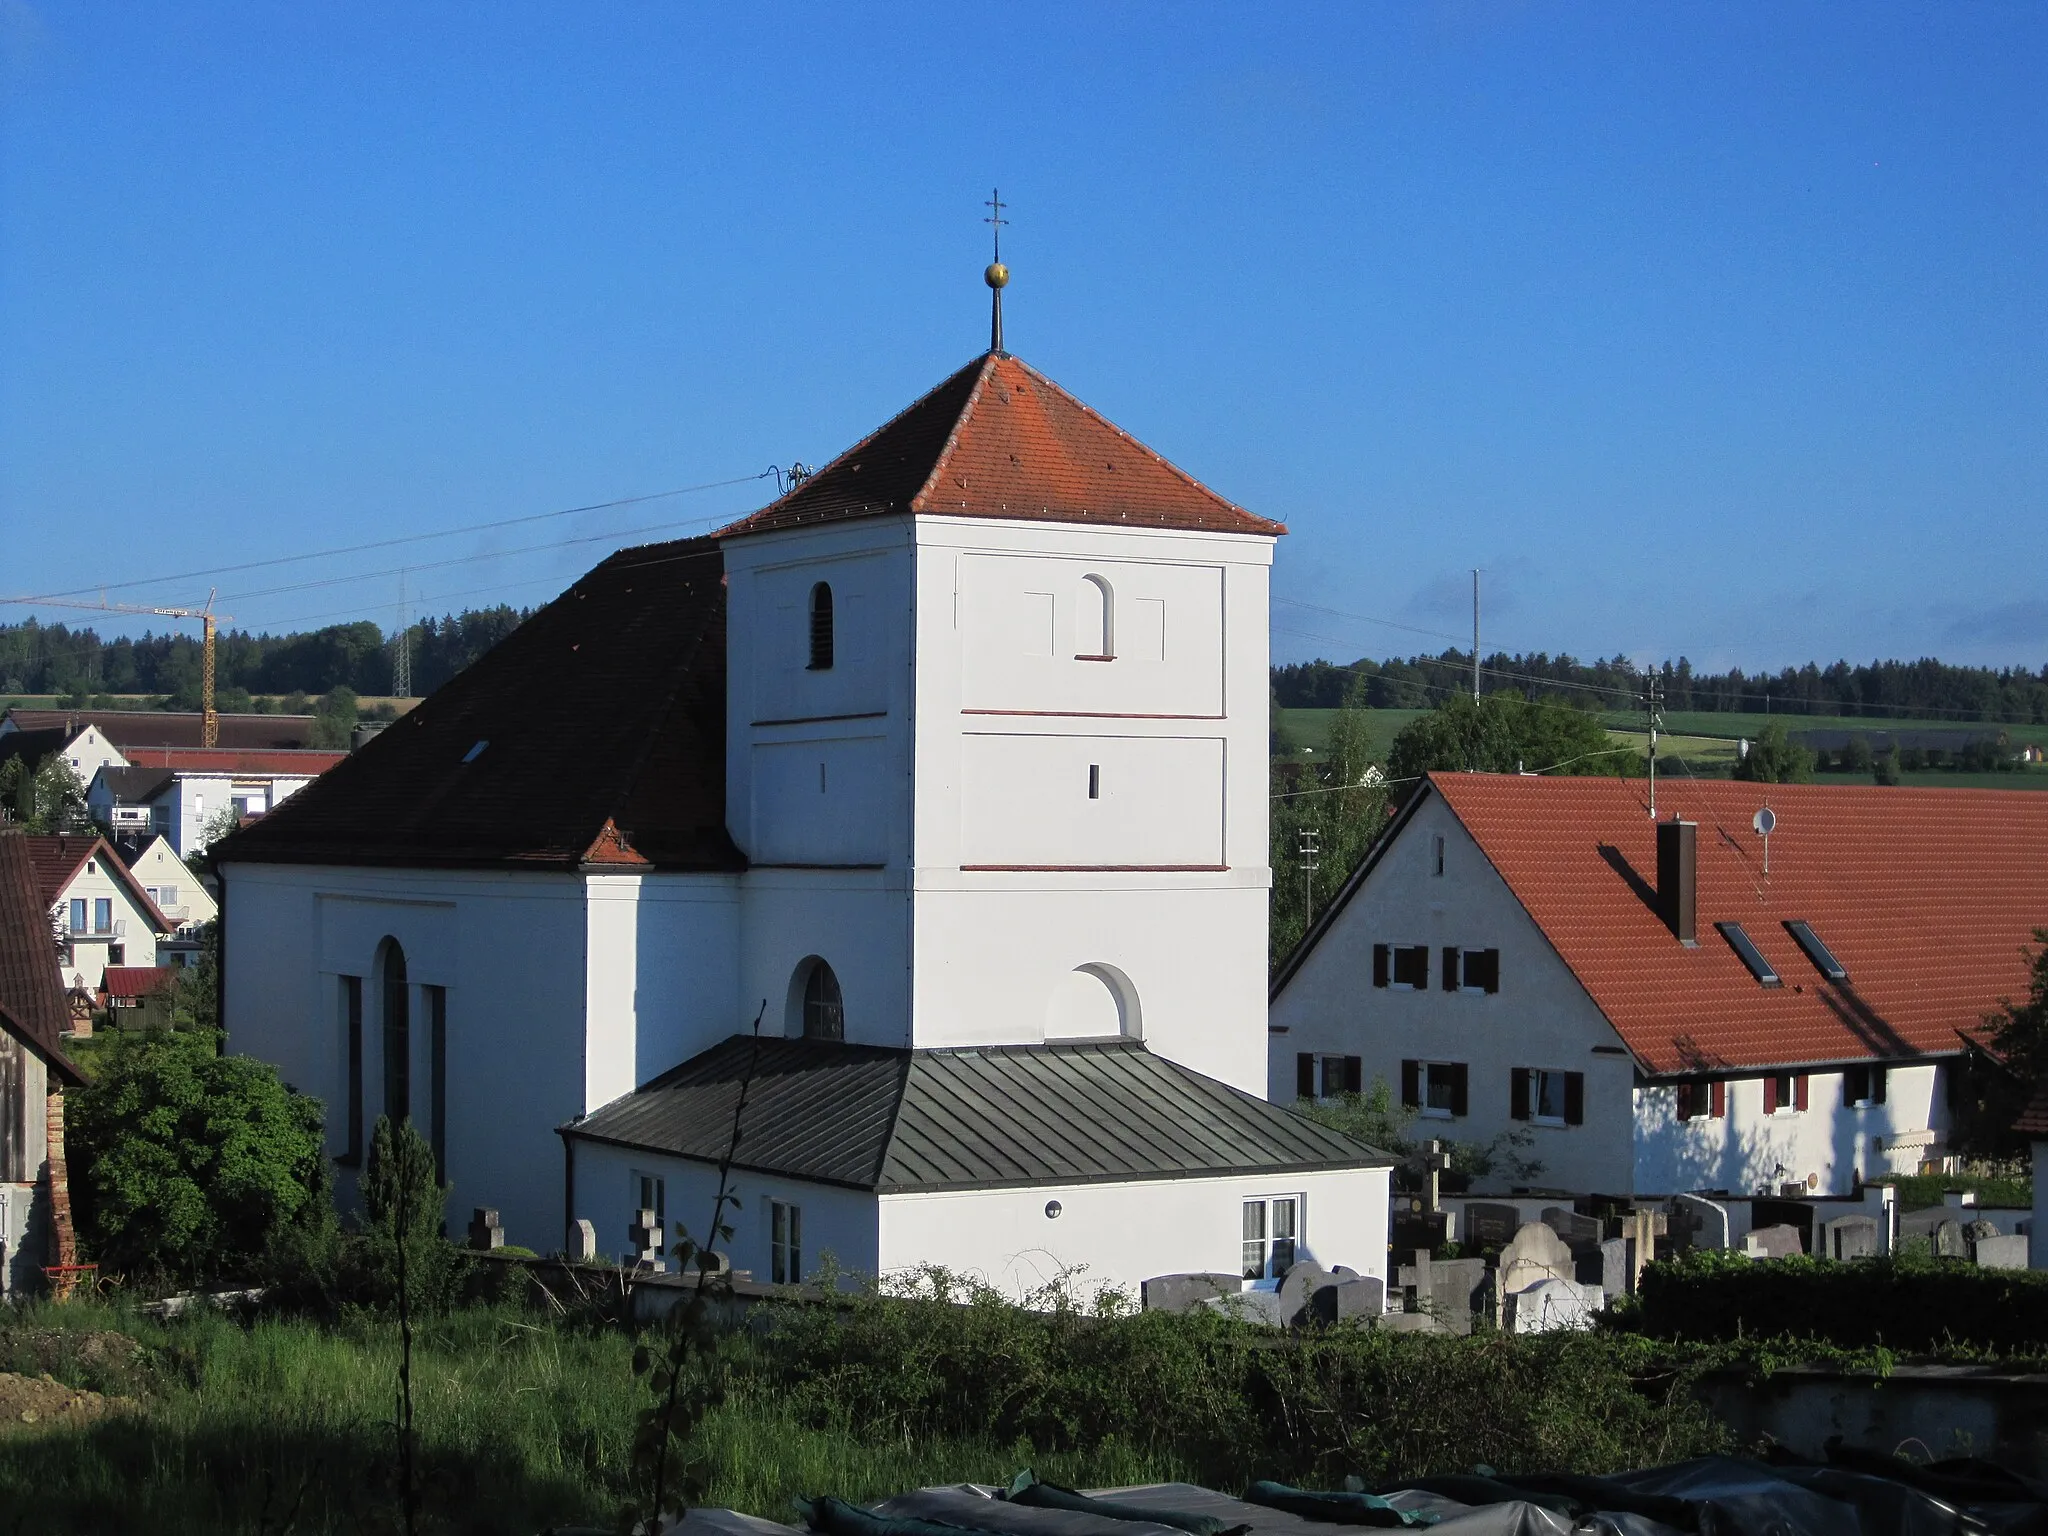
x,y
1096,632
824,1008
821,627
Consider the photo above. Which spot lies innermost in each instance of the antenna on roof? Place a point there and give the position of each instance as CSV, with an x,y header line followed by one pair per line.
x,y
1653,701
997,276
1766,822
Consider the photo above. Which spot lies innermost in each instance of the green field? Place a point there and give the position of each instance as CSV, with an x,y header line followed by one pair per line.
x,y
1704,740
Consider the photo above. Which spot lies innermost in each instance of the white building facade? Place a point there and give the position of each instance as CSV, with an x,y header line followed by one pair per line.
x,y
935,779
1503,964
100,911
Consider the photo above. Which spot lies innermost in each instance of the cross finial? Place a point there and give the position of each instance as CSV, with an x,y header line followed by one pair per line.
x,y
997,274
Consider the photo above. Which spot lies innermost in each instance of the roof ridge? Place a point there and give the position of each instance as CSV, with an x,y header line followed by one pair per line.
x,y
1159,458
945,455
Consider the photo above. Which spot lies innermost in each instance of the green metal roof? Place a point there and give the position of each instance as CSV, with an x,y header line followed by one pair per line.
x,y
975,1118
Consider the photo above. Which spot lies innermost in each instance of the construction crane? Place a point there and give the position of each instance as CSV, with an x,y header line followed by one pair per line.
x,y
209,718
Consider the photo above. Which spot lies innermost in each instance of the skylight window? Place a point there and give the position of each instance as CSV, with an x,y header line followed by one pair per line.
x,y
475,752
1746,950
1822,957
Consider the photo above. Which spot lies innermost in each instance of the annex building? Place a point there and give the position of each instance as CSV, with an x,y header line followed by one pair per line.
x,y
949,769
1679,1005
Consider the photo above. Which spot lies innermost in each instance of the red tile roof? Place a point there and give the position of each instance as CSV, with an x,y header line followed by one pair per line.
x,y
57,859
127,728
136,980
999,439
232,760
32,1006
2033,1120
1927,897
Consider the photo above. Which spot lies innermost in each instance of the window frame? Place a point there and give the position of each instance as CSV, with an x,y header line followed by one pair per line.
x,y
351,1007
828,1009
1268,1241
1526,1087
785,1242
824,636
1417,1078
1415,955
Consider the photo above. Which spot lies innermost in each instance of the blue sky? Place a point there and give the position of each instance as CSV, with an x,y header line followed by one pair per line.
x,y
1704,330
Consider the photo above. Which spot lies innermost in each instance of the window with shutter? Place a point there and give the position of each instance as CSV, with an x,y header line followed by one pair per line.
x,y
1354,1074
1770,1095
1518,1093
1720,1100
1575,1098
1382,964
1482,969
1799,1090
1411,1085
1411,967
1450,974
1460,1099
1305,1075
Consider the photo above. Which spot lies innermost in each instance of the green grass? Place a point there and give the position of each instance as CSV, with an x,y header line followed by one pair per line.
x,y
522,1424
1708,722
1311,727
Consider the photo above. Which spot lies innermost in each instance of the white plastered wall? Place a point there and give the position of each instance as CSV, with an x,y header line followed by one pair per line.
x,y
1540,1018
1157,881
134,931
1126,1233
660,954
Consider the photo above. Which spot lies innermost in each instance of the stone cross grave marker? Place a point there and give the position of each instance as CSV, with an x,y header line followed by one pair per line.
x,y
646,1236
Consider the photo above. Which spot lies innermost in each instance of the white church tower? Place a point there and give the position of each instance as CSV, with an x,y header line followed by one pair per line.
x,y
997,737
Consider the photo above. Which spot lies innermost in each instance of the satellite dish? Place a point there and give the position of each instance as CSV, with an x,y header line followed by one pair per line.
x,y
1765,822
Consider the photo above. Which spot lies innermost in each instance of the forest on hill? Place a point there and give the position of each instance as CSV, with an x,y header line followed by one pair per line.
x,y
1926,689
58,659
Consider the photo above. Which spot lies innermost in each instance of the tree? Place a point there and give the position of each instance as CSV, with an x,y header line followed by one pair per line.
x,y
1339,803
1884,768
45,796
1997,1080
1506,733
404,1202
195,990
190,1165
1774,758
334,719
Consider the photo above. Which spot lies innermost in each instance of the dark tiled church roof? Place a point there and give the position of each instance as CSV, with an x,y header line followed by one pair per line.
x,y
1000,439
874,1118
592,734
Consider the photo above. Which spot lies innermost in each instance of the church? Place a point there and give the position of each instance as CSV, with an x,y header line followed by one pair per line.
x,y
904,843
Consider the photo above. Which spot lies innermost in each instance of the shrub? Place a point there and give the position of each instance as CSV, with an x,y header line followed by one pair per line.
x,y
188,1165
1907,1302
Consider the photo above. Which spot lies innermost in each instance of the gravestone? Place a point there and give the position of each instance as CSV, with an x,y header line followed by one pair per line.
x,y
2001,1253
1974,1232
583,1242
1949,1241
1490,1226
1580,1233
1414,1227
1551,1304
1618,1266
1248,1307
646,1235
1183,1293
1852,1237
1412,1322
1360,1296
485,1230
1302,1280
1449,1289
1774,1243
1699,1222
1537,1253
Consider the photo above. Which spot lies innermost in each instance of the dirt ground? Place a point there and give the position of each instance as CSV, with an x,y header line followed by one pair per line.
x,y
28,1400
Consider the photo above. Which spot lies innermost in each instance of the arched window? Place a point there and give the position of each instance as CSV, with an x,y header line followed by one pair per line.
x,y
1096,634
397,997
821,627
824,1008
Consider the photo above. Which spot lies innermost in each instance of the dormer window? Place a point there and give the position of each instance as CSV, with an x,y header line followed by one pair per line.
x,y
821,627
1096,631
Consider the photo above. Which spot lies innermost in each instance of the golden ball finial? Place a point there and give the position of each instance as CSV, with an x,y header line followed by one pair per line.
x,y
997,275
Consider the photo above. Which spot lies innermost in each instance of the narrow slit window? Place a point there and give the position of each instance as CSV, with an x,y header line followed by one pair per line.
x,y
1746,950
1095,781
1822,957
821,628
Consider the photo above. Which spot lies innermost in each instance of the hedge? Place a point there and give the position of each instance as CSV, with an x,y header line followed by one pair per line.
x,y
1907,1302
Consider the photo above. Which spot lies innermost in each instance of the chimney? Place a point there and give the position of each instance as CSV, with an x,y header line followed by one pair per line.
x,y
1678,858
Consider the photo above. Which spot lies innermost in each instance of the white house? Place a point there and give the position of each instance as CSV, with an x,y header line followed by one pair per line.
x,y
100,910
79,742
179,894
1671,1006
34,1209
174,792
949,768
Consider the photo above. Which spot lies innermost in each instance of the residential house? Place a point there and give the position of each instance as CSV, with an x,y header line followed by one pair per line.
x,y
176,792
179,894
97,908
1671,1005
946,772
82,746
35,1229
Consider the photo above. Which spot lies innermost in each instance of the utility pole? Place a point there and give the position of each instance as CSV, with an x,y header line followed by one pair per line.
x,y
1310,844
401,665
1653,699
1475,634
